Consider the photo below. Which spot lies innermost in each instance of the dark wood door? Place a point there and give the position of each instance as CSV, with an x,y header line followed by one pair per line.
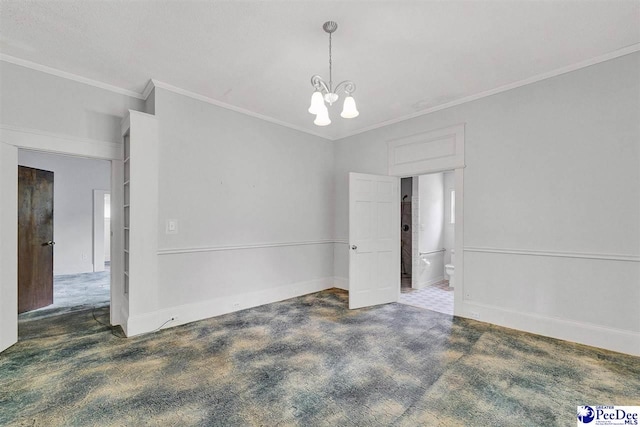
x,y
35,238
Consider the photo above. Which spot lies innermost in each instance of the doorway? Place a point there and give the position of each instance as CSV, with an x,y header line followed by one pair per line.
x,y
35,238
428,241
76,281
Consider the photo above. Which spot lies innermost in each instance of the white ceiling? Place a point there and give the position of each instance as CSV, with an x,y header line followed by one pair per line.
x,y
404,56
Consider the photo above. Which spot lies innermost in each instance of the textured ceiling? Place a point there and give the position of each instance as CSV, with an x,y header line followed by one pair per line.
x,y
259,55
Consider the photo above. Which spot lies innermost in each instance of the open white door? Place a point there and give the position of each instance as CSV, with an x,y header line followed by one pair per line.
x,y
374,240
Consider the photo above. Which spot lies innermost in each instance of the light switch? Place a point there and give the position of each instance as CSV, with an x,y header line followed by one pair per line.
x,y
172,226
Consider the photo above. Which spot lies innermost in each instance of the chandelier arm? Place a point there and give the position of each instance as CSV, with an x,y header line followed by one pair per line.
x,y
319,83
349,87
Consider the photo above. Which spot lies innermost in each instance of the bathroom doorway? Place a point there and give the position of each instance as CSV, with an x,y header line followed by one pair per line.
x,y
427,241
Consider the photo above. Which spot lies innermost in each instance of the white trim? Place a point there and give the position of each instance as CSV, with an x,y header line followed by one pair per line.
x,y
97,232
155,83
534,79
621,340
606,257
341,241
33,139
184,92
187,313
148,89
69,76
414,154
458,290
122,321
173,251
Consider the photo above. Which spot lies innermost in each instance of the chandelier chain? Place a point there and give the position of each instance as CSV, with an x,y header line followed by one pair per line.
x,y
330,66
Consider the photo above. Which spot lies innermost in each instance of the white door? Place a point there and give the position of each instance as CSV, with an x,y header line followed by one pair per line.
x,y
374,240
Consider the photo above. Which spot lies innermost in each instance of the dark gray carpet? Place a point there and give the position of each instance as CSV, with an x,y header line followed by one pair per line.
x,y
73,292
307,361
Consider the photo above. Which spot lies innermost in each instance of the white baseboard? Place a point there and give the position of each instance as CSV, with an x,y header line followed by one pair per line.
x,y
341,283
149,322
430,282
593,335
619,340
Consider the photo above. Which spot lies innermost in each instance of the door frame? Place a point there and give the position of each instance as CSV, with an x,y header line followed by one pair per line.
x,y
458,290
98,229
432,151
36,140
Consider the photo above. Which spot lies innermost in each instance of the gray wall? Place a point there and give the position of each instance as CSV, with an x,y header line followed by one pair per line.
x,y
235,181
35,100
552,167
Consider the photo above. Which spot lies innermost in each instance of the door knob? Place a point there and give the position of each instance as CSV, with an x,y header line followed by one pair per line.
x,y
49,243
354,247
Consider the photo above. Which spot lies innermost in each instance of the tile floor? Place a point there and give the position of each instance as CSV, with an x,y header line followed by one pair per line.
x,y
438,297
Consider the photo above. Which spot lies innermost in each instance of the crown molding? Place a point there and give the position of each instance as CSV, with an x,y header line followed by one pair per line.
x,y
534,79
68,76
148,89
155,83
193,95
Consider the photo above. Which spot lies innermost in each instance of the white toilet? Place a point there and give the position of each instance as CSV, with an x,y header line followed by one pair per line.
x,y
449,269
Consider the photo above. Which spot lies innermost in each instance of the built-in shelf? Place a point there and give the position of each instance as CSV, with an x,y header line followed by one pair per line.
x,y
137,207
127,210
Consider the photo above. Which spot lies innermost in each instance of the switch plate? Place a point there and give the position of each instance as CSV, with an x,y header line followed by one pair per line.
x,y
172,226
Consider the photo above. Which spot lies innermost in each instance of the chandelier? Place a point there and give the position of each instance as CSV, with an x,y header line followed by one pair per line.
x,y
325,92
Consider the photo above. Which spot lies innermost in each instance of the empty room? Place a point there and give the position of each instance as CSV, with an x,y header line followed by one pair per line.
x,y
293,213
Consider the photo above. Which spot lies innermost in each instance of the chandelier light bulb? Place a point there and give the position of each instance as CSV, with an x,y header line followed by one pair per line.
x,y
328,92
322,118
349,110
317,102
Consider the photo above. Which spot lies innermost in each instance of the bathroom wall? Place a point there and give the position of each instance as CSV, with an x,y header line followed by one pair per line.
x,y
406,186
431,237
449,228
406,245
